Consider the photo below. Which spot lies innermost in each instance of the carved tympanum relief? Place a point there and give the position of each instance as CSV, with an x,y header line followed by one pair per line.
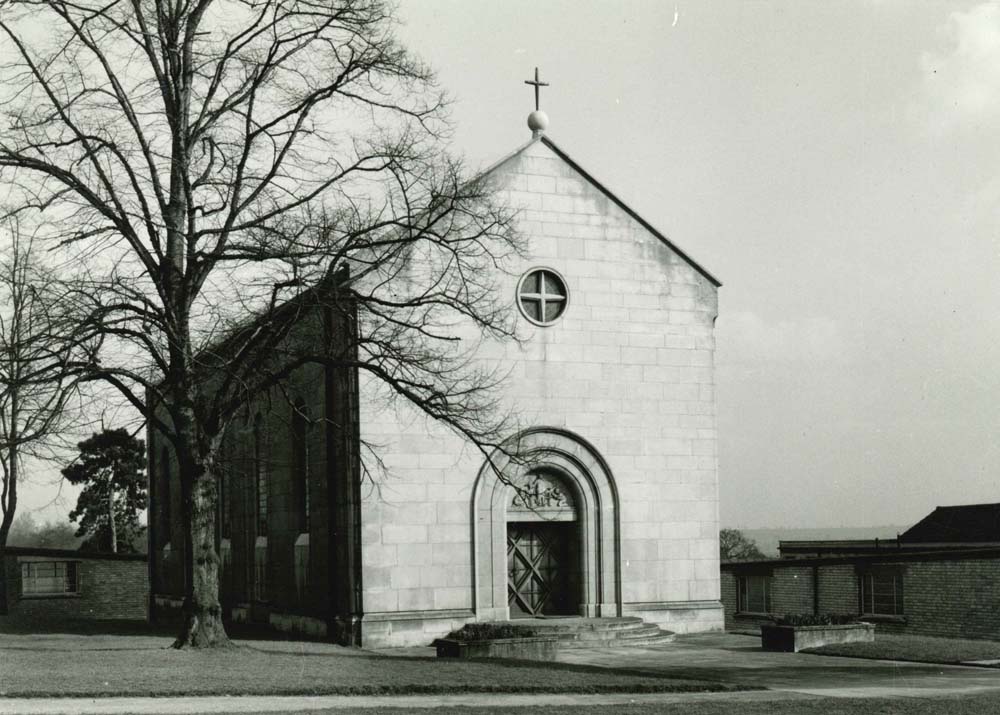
x,y
540,496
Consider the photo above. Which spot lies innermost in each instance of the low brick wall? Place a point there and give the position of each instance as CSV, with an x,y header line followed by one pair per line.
x,y
954,593
108,586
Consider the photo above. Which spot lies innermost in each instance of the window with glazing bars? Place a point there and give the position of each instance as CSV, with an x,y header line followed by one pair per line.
x,y
48,578
300,464
754,592
882,593
260,476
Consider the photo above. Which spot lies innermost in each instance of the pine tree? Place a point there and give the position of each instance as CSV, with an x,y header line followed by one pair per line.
x,y
111,468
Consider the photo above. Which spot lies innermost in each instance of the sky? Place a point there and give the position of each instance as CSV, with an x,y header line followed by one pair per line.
x,y
837,166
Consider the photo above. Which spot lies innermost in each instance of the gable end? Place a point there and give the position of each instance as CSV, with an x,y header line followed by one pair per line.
x,y
623,206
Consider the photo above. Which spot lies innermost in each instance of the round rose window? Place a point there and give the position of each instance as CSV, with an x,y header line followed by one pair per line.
x,y
542,296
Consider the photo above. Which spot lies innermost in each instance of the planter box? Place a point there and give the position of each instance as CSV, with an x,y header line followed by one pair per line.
x,y
530,648
792,639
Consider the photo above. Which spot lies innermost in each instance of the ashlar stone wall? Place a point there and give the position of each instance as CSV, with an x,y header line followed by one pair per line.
x,y
628,368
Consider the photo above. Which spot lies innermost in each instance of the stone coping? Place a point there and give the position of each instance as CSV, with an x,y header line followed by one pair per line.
x,y
486,641
820,627
71,554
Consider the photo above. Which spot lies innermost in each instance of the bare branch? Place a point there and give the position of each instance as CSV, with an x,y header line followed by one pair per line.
x,y
238,190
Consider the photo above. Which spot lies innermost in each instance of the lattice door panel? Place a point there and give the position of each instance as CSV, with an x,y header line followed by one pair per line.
x,y
540,569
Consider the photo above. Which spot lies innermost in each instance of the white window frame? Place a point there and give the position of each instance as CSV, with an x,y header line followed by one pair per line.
x,y
69,580
743,582
866,592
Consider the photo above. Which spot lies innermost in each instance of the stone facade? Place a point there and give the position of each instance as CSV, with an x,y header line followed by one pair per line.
x,y
616,396
947,594
107,586
626,374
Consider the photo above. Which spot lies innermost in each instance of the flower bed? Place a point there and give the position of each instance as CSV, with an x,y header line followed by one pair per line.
x,y
793,633
496,640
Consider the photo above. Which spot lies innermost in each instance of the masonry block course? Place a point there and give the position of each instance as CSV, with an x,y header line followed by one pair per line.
x,y
632,352
617,396
277,561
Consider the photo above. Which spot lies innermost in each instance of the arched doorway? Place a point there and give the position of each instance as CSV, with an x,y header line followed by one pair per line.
x,y
543,546
546,537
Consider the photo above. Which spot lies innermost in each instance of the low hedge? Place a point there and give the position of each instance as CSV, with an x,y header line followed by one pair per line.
x,y
489,632
815,619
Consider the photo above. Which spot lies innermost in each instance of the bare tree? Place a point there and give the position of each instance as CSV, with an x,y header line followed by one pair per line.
x,y
214,159
734,545
40,367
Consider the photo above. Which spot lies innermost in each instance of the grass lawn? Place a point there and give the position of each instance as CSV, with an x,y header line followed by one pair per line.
x,y
915,648
59,664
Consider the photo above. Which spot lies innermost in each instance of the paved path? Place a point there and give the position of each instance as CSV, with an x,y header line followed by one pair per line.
x,y
738,659
714,657
267,703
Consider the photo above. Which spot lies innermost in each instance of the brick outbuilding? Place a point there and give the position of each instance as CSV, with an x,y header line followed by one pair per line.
x,y
53,585
941,577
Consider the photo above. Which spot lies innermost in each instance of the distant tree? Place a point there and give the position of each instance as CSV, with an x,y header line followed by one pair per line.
x,y
27,532
40,363
22,530
734,545
110,468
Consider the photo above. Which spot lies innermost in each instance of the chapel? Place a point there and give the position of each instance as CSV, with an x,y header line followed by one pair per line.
x,y
615,514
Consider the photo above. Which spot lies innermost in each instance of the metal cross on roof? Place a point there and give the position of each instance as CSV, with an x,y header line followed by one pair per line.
x,y
537,83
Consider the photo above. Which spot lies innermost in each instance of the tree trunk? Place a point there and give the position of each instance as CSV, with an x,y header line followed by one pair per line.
x,y
3,580
203,627
4,530
111,517
9,508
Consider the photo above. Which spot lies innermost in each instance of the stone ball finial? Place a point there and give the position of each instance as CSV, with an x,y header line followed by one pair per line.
x,y
538,121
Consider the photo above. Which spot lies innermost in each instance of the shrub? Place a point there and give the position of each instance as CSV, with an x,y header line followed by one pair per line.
x,y
814,619
489,631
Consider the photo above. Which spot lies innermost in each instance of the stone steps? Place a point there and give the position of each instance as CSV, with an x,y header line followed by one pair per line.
x,y
599,632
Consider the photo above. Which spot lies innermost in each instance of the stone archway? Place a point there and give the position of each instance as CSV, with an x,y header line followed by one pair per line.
x,y
571,461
